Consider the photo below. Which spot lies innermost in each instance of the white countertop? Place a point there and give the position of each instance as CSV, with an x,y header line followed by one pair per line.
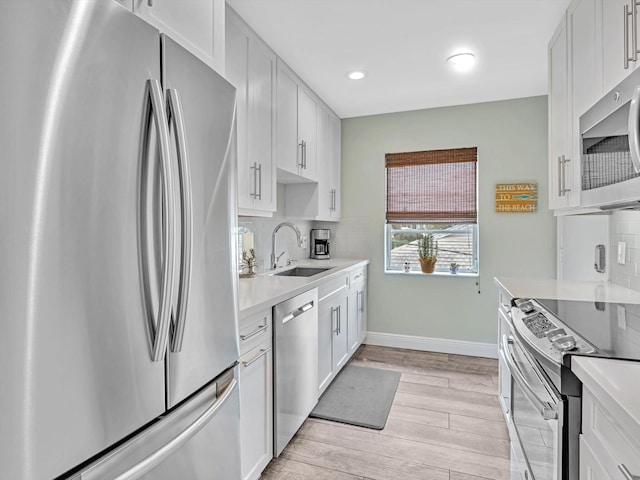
x,y
264,290
567,290
614,383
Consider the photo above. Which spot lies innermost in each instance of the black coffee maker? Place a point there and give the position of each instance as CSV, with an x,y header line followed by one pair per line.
x,y
320,243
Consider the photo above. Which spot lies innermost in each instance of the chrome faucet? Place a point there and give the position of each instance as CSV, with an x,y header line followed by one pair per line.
x,y
274,258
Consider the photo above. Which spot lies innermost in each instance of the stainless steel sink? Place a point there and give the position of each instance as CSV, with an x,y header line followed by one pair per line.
x,y
302,272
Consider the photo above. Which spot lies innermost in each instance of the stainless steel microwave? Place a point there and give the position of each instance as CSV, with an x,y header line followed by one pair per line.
x,y
610,148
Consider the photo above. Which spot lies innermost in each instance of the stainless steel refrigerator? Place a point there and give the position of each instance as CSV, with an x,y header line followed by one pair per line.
x,y
119,347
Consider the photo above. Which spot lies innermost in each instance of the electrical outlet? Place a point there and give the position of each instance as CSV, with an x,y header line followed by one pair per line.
x,y
622,253
305,242
622,318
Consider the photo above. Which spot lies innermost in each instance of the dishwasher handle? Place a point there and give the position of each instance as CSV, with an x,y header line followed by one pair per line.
x,y
298,311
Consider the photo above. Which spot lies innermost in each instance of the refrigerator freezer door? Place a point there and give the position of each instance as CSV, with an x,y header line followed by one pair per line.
x,y
200,440
77,372
210,340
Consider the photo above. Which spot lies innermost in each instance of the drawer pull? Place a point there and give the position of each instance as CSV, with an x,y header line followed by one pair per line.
x,y
263,352
261,328
626,473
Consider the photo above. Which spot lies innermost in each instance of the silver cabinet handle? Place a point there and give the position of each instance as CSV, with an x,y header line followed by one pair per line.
x,y
634,125
564,162
260,181
301,145
626,473
559,176
163,452
361,292
155,109
254,171
547,410
339,319
304,154
625,36
634,29
175,116
260,329
263,352
334,310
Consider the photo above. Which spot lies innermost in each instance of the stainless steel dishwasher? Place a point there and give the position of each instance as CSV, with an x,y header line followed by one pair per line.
x,y
295,365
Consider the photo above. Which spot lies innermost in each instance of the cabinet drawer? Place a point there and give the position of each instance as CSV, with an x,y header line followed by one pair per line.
x,y
333,286
357,275
608,438
255,330
590,467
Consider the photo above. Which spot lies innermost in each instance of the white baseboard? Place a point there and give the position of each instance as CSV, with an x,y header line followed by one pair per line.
x,y
441,345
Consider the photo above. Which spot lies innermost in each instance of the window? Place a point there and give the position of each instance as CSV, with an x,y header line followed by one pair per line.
x,y
433,192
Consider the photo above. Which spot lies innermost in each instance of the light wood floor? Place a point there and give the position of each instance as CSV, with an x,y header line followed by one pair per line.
x,y
445,424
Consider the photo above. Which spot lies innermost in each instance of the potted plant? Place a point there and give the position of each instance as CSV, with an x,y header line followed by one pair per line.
x,y
453,268
428,253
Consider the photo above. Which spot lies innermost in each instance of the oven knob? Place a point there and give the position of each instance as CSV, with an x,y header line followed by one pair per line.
x,y
555,333
565,343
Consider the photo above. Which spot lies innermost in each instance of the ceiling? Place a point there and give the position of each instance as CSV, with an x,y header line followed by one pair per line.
x,y
403,45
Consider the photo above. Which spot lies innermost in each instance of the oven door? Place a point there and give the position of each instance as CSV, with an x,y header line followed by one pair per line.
x,y
536,414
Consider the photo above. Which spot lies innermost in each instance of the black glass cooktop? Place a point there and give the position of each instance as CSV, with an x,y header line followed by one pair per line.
x,y
613,328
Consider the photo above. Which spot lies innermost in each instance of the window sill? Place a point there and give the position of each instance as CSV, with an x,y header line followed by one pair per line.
x,y
434,274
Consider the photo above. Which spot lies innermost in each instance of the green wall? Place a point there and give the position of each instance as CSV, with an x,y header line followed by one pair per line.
x,y
511,137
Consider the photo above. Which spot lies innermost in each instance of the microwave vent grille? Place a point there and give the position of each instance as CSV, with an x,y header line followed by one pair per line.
x,y
606,162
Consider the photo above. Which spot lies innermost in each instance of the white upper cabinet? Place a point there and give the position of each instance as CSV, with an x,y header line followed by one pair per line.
x,y
198,25
307,133
561,193
296,127
321,200
251,68
619,37
586,57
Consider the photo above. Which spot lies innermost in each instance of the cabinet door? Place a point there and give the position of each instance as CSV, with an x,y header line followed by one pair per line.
x,y
287,120
307,132
353,332
586,82
586,60
198,25
325,185
340,343
262,110
559,119
590,467
256,411
325,338
614,41
237,45
335,156
362,317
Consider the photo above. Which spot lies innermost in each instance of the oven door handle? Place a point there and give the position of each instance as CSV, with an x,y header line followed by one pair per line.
x,y
547,411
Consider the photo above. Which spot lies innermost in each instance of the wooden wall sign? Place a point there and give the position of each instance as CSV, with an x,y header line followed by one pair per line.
x,y
516,197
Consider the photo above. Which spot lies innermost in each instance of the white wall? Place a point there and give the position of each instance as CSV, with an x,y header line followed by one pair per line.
x,y
511,137
624,226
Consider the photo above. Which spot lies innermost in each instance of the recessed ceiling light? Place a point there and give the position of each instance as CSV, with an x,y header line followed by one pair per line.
x,y
357,75
462,61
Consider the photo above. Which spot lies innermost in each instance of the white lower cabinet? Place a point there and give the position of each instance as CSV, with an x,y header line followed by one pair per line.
x,y
357,309
340,340
256,394
342,322
607,449
332,344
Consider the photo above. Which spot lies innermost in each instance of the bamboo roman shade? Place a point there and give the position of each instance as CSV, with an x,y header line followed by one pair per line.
x,y
434,186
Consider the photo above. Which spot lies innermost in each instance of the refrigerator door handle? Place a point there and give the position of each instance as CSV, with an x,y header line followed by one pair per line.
x,y
198,424
175,116
164,312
